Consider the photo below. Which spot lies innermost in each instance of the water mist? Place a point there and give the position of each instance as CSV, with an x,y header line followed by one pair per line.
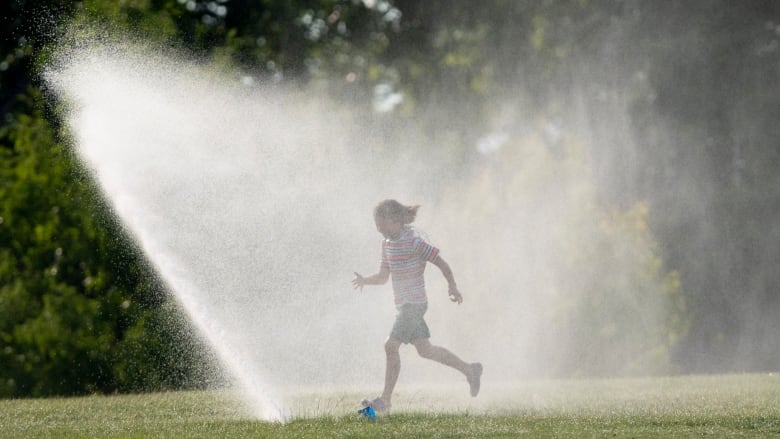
x,y
254,205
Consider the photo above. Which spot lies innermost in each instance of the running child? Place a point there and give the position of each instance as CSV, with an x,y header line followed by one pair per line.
x,y
404,257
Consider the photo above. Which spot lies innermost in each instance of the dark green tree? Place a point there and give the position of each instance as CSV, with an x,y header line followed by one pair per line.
x,y
81,311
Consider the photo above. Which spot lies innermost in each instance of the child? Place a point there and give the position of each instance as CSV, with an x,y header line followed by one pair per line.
x,y
404,257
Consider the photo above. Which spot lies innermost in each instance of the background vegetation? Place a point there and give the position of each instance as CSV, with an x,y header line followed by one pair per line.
x,y
694,82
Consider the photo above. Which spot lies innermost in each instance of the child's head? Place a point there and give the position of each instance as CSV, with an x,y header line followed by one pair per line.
x,y
390,216
394,211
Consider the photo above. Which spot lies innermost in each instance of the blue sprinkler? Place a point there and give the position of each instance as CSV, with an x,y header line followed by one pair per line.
x,y
368,412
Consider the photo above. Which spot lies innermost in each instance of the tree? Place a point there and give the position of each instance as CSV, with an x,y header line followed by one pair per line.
x,y
74,289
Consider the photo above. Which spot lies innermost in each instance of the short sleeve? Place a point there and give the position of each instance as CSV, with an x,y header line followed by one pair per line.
x,y
424,250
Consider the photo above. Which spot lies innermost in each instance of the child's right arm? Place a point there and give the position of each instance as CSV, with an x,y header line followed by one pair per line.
x,y
375,279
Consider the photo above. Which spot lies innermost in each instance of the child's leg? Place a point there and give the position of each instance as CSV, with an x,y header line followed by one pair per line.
x,y
393,368
441,355
473,371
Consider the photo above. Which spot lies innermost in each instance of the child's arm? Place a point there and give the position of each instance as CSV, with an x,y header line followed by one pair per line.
x,y
375,279
455,295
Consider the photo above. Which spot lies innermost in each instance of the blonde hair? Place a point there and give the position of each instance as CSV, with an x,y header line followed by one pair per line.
x,y
393,210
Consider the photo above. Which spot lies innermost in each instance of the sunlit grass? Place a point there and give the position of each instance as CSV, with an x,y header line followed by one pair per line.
x,y
715,406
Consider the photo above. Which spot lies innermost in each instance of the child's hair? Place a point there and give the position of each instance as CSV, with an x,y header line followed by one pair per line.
x,y
396,211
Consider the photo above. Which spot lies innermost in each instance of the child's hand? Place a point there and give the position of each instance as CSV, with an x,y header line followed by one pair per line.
x,y
455,295
358,281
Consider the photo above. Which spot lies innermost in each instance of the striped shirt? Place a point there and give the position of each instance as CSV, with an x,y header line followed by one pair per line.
x,y
406,257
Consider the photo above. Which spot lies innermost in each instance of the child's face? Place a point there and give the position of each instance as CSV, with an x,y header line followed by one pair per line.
x,y
388,227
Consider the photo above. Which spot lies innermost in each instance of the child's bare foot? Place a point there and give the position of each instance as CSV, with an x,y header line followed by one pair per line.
x,y
378,404
474,378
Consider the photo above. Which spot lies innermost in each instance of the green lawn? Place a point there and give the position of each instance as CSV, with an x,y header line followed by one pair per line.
x,y
691,406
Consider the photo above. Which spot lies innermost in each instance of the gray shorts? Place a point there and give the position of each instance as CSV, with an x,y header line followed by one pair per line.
x,y
409,323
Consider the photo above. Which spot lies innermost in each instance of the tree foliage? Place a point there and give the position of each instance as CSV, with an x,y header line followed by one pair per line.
x,y
73,288
690,83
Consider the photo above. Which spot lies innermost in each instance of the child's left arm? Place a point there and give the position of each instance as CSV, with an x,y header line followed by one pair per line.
x,y
454,294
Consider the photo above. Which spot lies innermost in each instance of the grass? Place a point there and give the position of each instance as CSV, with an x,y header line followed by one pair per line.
x,y
692,406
